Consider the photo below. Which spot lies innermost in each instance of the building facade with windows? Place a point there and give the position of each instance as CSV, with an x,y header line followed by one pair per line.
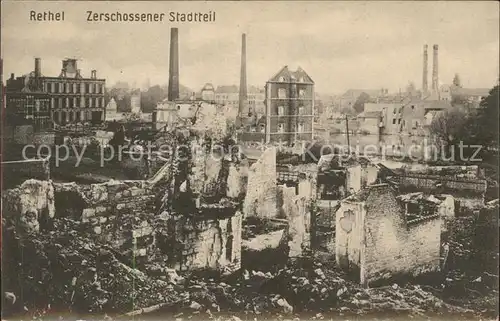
x,y
26,103
412,118
229,96
67,99
289,104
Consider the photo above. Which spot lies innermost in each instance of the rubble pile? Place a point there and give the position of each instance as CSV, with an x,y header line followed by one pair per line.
x,y
69,272
313,288
473,243
472,264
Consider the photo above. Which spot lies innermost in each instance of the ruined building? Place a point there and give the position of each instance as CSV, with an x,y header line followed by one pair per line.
x,y
341,175
289,107
188,216
375,239
281,198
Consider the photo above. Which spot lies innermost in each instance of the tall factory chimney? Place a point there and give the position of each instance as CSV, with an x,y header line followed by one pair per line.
x,y
243,78
173,78
38,67
435,70
425,85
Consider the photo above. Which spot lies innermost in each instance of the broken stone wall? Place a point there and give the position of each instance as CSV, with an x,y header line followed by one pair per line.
x,y
353,179
324,226
349,236
121,215
307,187
295,209
118,213
360,176
469,193
447,207
260,198
30,205
198,243
369,175
214,175
392,246
202,207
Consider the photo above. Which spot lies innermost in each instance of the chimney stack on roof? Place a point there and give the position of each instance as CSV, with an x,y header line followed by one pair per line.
x,y
425,85
243,77
435,70
173,79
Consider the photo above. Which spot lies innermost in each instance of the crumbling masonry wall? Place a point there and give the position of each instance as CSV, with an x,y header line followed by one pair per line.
x,y
121,215
324,226
197,243
29,205
295,210
470,193
260,198
393,246
389,246
349,236
202,209
118,213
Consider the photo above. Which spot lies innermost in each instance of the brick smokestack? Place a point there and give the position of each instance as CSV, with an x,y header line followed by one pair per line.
x,y
38,67
173,78
425,85
243,78
435,70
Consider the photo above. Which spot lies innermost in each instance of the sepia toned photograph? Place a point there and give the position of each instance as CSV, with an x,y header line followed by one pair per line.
x,y
249,160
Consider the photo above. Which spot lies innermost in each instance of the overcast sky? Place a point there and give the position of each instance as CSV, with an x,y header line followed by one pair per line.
x,y
340,45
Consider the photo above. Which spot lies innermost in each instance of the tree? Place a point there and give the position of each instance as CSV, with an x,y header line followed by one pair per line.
x,y
359,105
486,120
450,128
151,97
474,128
456,81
